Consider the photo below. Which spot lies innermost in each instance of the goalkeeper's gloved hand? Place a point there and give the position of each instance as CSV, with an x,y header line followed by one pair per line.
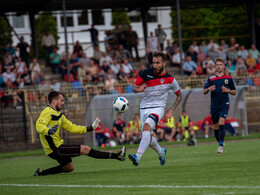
x,y
53,130
94,125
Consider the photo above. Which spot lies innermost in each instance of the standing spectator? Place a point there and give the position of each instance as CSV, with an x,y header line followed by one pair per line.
x,y
121,37
161,36
132,42
242,52
118,128
194,46
105,57
254,52
204,47
55,60
55,86
122,54
189,66
232,42
192,54
23,53
48,43
35,70
77,49
94,36
110,84
153,44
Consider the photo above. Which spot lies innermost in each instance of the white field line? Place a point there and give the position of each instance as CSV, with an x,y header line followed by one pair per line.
x,y
132,186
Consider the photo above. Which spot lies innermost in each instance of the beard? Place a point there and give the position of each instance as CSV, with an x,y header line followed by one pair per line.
x,y
159,71
58,108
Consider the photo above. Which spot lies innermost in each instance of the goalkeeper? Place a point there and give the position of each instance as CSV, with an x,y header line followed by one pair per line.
x,y
48,126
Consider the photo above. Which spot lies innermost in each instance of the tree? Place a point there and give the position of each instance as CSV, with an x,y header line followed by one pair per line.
x,y
43,22
5,35
120,17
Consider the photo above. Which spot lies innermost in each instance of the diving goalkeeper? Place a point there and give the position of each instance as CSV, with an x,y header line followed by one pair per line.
x,y
48,126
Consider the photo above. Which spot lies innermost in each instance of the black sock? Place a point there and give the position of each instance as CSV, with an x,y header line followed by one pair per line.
x,y
217,135
53,170
221,134
102,155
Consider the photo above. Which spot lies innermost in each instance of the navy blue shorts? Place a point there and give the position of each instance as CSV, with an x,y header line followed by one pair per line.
x,y
217,113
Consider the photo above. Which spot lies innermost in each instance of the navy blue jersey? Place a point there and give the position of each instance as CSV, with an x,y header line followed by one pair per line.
x,y
218,98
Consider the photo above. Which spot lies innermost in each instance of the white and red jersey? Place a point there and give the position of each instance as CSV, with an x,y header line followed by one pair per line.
x,y
156,92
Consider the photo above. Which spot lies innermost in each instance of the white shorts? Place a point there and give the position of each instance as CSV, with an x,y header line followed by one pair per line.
x,y
151,116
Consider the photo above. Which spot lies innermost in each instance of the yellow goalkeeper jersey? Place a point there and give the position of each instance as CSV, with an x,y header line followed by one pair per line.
x,y
48,118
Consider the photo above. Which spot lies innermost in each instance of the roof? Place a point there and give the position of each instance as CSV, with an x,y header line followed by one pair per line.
x,y
51,5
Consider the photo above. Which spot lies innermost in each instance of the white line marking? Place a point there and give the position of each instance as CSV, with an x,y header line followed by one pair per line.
x,y
131,186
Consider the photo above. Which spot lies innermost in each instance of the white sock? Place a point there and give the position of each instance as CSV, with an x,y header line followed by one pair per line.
x,y
156,147
145,141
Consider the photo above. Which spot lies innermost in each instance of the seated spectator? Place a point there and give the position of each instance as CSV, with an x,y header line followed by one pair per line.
x,y
241,68
123,54
21,69
211,69
254,52
194,46
205,63
8,56
204,47
186,126
199,69
250,61
84,60
201,55
232,54
16,99
229,127
118,128
55,60
231,67
169,129
115,67
211,44
77,50
9,78
74,64
100,136
158,130
193,80
189,66
82,71
128,68
55,86
222,53
97,54
2,82
169,50
7,64
257,66
110,84
212,53
232,42
11,49
121,76
35,70
133,129
242,52
192,54
207,125
105,57
105,67
223,44
176,58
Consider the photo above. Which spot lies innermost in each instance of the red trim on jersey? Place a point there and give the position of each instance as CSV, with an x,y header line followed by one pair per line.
x,y
177,91
160,74
138,81
222,77
159,81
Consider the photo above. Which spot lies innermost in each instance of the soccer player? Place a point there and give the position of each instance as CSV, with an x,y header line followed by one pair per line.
x,y
48,126
155,82
220,86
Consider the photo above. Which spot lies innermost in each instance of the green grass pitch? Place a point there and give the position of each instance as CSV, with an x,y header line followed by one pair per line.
x,y
188,170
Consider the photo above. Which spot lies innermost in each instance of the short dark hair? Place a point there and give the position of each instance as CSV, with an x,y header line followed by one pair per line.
x,y
54,95
160,54
219,60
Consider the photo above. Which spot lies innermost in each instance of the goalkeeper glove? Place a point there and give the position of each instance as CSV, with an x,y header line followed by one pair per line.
x,y
53,130
94,125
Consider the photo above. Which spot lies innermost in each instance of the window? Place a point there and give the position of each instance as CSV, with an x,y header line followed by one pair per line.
x,y
69,19
97,17
135,16
18,21
83,17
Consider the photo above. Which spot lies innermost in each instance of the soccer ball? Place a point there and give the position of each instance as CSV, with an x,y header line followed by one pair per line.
x,y
120,104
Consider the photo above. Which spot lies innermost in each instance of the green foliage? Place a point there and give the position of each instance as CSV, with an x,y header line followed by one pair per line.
x,y
120,17
5,35
43,22
210,17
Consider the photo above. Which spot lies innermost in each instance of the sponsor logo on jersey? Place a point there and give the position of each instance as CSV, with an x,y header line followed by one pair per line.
x,y
226,81
212,77
149,76
162,80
